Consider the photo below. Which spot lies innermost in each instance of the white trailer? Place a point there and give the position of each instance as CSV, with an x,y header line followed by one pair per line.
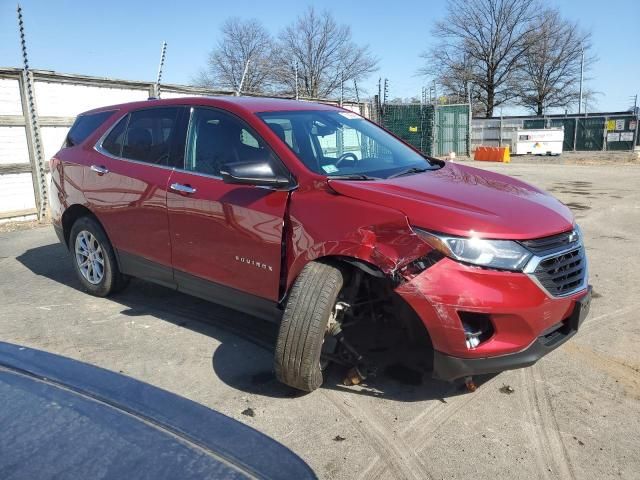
x,y
543,141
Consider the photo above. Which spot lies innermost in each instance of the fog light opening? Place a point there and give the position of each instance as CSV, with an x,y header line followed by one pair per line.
x,y
477,328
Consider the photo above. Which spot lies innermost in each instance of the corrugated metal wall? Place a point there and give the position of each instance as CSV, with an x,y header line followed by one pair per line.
x,y
59,98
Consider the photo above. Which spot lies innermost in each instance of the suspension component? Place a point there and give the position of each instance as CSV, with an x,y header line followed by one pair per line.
x,y
470,384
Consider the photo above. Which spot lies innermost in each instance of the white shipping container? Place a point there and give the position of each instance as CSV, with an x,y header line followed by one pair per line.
x,y
544,141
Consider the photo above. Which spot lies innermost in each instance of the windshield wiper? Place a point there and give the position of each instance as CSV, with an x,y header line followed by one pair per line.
x,y
354,176
410,171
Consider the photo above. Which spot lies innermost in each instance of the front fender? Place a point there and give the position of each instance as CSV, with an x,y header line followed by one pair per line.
x,y
325,224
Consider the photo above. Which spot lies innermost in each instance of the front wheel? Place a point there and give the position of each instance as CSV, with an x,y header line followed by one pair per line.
x,y
310,305
94,259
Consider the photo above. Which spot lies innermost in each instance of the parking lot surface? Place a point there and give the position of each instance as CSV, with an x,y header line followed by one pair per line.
x,y
575,414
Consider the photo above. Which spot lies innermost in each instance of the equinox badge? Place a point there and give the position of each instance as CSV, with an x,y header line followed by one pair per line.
x,y
250,261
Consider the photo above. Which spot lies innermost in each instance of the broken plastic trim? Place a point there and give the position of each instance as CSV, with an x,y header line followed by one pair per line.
x,y
477,328
418,266
364,266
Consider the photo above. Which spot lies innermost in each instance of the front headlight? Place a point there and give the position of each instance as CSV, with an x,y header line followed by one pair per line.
x,y
499,254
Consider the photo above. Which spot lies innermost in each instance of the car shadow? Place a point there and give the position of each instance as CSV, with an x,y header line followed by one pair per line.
x,y
401,373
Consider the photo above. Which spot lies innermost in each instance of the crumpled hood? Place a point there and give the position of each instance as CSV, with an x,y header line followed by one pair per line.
x,y
459,200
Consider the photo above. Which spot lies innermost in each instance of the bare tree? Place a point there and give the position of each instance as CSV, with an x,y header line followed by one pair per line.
x,y
550,69
482,44
589,100
324,54
243,56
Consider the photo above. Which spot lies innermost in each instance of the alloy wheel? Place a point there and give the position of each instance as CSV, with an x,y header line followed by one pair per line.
x,y
89,257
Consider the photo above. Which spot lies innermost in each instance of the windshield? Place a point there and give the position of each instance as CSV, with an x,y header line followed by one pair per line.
x,y
343,144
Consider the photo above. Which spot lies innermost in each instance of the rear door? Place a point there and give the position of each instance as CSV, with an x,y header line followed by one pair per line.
x,y
228,235
126,187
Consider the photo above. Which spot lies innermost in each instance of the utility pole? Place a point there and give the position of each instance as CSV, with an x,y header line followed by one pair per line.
x,y
469,119
163,53
244,74
386,91
435,94
636,115
342,88
581,81
296,74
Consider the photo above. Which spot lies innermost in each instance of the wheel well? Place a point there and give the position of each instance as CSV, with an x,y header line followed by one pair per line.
x,y
375,284
69,217
349,263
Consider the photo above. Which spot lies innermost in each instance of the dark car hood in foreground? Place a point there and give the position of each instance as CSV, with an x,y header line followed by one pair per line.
x,y
457,200
64,419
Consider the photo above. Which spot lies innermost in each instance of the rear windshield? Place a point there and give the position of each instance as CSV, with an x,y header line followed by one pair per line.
x,y
84,126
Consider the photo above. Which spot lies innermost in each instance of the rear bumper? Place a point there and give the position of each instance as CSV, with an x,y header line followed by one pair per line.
x,y
447,367
60,234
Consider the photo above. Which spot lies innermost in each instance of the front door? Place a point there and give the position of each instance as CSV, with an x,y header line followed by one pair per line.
x,y
223,234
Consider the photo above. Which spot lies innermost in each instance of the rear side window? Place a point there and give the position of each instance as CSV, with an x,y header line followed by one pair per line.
x,y
144,135
84,126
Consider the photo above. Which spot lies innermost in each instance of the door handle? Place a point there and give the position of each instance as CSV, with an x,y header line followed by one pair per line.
x,y
99,169
178,187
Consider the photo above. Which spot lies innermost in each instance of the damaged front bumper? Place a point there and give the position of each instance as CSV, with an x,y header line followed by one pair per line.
x,y
525,322
447,367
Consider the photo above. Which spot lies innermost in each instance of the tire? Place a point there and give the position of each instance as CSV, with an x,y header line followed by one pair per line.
x,y
88,236
304,323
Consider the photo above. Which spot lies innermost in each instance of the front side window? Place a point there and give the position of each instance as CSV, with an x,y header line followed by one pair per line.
x,y
336,143
217,138
144,135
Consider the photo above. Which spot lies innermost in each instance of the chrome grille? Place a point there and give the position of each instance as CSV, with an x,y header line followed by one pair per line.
x,y
564,273
554,243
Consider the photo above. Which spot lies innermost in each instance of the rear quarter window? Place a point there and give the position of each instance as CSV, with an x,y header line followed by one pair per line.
x,y
84,126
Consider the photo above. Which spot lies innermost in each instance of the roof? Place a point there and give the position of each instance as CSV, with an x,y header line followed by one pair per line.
x,y
65,418
248,104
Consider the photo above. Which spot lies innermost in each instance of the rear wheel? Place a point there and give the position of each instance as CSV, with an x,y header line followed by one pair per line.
x,y
94,259
301,339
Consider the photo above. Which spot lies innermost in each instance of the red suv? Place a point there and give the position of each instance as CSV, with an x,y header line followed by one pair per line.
x,y
315,217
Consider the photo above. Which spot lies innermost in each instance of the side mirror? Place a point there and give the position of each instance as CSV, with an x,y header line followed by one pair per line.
x,y
259,173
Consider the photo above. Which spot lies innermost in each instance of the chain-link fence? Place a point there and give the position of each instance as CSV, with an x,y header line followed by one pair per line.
x,y
594,132
434,130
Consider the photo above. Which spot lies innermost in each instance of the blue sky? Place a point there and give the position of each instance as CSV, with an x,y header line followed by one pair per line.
x,y
122,39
